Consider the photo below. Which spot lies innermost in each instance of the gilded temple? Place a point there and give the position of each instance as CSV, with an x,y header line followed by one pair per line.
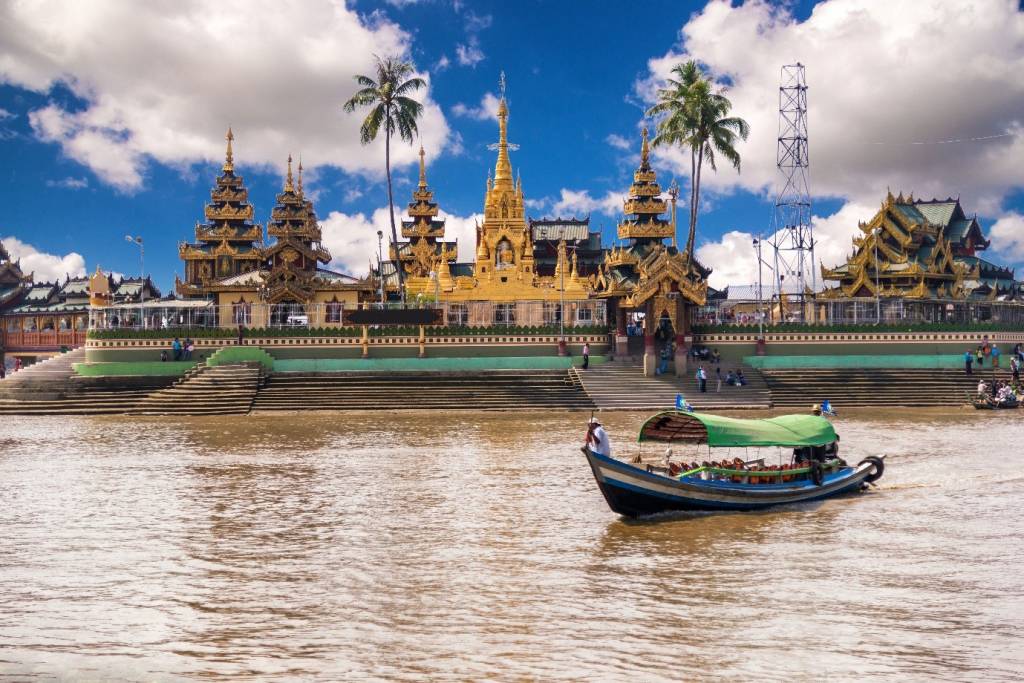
x,y
505,268
231,264
425,252
229,242
918,250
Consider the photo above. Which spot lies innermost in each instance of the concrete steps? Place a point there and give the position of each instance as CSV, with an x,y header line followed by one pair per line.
x,y
875,387
494,390
45,379
621,385
206,390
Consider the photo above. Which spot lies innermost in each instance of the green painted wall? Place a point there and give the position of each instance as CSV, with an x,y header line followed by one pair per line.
x,y
862,361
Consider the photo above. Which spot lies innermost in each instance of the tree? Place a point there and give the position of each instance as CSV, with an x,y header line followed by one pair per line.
x,y
695,116
393,110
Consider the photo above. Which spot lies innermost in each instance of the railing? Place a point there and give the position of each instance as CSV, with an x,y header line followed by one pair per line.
x,y
328,315
43,339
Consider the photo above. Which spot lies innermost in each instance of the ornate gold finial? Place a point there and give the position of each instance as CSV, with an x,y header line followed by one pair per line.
x,y
423,170
229,158
300,175
644,149
288,186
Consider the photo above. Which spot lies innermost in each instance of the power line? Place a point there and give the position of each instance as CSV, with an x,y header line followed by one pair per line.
x,y
949,142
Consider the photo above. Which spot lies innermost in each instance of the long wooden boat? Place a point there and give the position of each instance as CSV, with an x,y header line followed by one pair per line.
x,y
988,404
635,491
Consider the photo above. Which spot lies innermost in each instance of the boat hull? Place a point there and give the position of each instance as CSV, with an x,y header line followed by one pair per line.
x,y
634,492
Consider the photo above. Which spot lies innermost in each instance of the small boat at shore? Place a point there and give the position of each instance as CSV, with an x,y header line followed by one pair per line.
x,y
815,471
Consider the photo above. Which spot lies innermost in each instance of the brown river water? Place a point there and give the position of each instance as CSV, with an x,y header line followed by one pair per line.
x,y
469,547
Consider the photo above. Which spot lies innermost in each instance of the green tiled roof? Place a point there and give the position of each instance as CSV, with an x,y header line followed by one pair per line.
x,y
957,229
911,212
939,213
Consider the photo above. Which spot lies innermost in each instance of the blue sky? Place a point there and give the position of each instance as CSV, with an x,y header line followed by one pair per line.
x,y
125,134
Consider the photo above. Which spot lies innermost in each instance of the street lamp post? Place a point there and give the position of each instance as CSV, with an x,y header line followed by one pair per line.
x,y
142,275
380,263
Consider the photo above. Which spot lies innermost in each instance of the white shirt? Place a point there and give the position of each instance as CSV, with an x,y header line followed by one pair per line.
x,y
602,445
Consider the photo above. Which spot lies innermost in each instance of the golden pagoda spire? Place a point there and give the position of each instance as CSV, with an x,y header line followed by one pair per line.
x,y
644,148
300,175
229,158
423,170
503,167
288,185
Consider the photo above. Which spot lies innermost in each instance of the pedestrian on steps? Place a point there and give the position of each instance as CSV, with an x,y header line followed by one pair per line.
x,y
995,356
241,333
1015,369
586,355
176,348
979,357
968,362
702,380
718,376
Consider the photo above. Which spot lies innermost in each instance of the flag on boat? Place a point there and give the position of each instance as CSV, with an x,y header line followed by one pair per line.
x,y
826,408
682,405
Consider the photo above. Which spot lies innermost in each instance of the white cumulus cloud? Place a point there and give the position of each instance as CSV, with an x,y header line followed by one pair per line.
x,y
45,267
1007,235
882,77
352,238
487,110
469,54
177,74
578,202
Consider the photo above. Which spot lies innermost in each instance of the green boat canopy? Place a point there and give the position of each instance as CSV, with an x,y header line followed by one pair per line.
x,y
786,430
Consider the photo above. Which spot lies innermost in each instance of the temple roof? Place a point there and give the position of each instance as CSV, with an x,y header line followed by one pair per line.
x,y
556,229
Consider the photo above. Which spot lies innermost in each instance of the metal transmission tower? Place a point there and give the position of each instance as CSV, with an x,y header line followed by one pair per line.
x,y
792,237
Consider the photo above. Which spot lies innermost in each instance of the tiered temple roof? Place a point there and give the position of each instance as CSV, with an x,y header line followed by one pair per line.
x,y
293,260
644,207
918,249
229,242
646,267
425,248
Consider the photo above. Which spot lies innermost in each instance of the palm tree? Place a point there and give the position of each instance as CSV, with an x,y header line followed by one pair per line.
x,y
395,111
695,116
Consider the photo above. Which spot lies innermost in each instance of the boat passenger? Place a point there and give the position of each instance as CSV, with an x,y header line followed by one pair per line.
x,y
597,438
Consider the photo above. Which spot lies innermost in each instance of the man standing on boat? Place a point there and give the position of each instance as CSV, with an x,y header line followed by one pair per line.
x,y
597,438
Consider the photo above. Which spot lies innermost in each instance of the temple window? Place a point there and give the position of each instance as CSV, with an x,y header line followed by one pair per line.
x,y
80,322
505,314
31,325
552,313
65,323
14,324
334,311
47,325
585,315
241,313
458,314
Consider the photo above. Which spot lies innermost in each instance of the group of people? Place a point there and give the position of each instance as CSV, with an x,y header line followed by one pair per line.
x,y
180,350
1001,393
732,378
993,353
